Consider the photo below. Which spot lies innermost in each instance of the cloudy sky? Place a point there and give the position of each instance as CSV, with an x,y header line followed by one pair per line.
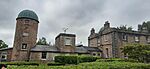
x,y
78,15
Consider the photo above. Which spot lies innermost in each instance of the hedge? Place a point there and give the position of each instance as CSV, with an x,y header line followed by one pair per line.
x,y
90,65
116,59
74,59
20,63
67,59
55,64
87,59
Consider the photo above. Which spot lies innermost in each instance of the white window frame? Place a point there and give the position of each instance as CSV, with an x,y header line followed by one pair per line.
x,y
23,46
124,36
68,41
105,38
25,34
148,39
136,38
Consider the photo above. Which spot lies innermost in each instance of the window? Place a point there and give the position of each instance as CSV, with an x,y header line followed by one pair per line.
x,y
107,54
124,37
125,55
94,54
105,38
144,28
98,41
136,38
68,41
44,55
26,22
148,39
25,34
99,54
4,56
24,46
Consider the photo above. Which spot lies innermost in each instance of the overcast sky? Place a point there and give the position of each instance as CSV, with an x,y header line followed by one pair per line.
x,y
78,15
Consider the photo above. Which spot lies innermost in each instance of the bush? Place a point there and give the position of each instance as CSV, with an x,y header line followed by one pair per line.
x,y
20,63
54,64
116,59
67,59
74,59
87,59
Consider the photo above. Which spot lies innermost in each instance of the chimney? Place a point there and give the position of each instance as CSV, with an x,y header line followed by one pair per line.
x,y
139,27
92,31
106,25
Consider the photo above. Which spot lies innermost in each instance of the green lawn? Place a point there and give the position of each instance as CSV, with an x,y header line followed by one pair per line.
x,y
90,65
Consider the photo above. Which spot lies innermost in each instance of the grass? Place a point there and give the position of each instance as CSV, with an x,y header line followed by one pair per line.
x,y
89,65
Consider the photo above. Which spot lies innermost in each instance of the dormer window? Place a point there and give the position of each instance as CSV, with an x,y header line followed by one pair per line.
x,y
144,28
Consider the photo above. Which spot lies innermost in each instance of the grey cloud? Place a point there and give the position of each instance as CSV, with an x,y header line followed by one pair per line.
x,y
78,15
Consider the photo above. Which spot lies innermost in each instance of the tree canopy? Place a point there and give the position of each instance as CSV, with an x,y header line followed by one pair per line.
x,y
124,27
42,41
138,52
3,44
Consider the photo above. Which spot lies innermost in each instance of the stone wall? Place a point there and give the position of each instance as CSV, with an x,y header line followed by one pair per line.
x,y
22,27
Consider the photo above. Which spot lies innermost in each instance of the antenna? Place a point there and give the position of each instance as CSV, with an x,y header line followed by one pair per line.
x,y
65,30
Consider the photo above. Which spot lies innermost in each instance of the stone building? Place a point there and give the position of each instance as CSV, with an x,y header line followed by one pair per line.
x,y
25,48
110,40
25,35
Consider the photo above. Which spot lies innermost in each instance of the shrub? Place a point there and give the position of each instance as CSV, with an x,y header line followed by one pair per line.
x,y
67,59
87,59
54,64
74,59
21,63
116,59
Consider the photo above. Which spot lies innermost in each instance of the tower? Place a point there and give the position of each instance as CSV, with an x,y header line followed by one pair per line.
x,y
65,42
25,35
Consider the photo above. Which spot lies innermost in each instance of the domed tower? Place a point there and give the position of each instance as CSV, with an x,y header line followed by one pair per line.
x,y
25,35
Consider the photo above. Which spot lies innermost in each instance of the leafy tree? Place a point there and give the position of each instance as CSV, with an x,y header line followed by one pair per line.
x,y
130,28
2,44
146,25
42,41
124,27
138,52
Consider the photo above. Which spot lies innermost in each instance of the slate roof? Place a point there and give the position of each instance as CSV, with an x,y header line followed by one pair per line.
x,y
45,48
92,49
6,48
78,49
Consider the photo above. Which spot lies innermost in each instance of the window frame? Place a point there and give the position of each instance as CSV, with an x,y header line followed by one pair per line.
x,y
137,38
68,41
25,34
44,55
22,46
124,37
106,37
148,39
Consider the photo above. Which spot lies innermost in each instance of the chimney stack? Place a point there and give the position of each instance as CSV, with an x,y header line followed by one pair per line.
x,y
106,25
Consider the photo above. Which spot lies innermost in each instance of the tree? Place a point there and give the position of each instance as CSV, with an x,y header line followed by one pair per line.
x,y
124,27
138,52
2,44
42,41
